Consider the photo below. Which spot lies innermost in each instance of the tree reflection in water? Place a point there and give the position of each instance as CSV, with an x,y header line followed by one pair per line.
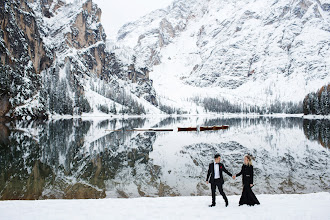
x,y
318,130
77,159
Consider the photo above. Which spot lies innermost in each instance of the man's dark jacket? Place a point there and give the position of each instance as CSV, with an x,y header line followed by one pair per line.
x,y
210,173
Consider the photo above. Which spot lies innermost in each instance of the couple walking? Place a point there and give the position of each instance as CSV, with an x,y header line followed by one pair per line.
x,y
215,177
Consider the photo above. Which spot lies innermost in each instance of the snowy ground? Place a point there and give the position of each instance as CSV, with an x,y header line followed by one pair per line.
x,y
306,206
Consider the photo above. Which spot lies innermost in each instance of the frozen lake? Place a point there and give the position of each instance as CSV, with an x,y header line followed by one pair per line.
x,y
75,158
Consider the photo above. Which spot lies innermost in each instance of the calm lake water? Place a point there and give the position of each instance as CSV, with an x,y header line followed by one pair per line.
x,y
78,158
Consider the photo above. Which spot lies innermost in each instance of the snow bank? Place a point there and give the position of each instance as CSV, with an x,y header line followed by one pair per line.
x,y
306,206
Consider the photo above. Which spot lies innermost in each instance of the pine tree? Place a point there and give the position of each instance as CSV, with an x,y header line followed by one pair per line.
x,y
317,109
324,102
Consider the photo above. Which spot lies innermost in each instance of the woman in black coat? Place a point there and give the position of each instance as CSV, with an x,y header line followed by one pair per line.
x,y
248,196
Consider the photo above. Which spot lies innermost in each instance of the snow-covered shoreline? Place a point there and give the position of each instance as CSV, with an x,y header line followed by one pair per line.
x,y
284,206
209,115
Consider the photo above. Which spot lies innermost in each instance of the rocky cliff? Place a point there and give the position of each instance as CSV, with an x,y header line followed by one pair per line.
x,y
23,56
54,61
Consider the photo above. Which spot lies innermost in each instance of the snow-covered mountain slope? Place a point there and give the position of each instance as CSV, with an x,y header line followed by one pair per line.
x,y
255,52
55,58
54,61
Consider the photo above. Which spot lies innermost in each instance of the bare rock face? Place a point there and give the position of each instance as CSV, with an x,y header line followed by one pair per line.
x,y
4,133
23,56
4,105
167,32
86,29
141,76
81,191
21,37
135,75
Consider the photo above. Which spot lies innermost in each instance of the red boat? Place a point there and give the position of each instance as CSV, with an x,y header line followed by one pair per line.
x,y
187,129
213,128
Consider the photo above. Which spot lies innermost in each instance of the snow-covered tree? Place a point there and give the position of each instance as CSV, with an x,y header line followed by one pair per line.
x,y
318,103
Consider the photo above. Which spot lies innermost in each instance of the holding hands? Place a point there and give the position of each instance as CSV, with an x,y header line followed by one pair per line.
x,y
234,177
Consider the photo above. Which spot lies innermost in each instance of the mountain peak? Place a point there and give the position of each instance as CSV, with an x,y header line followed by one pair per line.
x,y
240,48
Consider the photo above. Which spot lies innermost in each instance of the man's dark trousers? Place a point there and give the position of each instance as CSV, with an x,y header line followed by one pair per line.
x,y
218,183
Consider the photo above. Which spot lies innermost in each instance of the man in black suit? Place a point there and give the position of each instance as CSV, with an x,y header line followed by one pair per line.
x,y
215,177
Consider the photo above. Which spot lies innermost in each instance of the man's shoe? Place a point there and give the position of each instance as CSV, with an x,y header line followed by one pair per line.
x,y
212,205
226,204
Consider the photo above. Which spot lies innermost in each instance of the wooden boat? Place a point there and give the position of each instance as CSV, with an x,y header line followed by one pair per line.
x,y
163,129
202,128
187,129
152,129
145,129
213,128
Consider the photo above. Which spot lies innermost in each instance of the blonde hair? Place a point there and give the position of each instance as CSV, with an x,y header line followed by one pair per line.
x,y
249,158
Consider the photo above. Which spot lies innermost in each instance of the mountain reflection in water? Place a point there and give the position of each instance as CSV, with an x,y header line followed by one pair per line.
x,y
79,159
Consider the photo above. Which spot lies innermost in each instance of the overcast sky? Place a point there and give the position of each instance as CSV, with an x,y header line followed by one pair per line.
x,y
116,13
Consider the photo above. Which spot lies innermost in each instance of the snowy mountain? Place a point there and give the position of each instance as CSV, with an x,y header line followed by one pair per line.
x,y
248,52
247,55
54,61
